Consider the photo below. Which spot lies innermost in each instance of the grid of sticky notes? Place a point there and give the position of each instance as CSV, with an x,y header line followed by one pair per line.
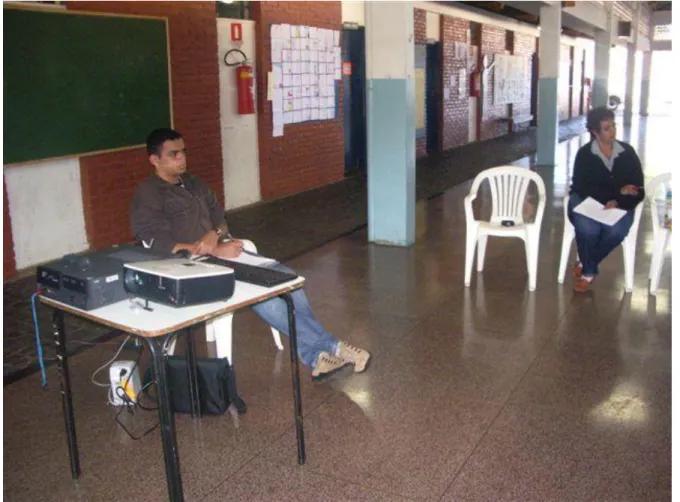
x,y
306,62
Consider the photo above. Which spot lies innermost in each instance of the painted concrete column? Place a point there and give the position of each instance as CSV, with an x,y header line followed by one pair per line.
x,y
630,68
548,75
603,41
644,86
390,123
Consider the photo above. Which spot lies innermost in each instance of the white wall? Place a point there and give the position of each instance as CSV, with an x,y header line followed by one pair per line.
x,y
240,155
432,26
353,12
46,209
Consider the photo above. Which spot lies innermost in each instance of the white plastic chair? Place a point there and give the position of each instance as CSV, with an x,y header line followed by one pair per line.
x,y
662,236
628,245
219,329
509,186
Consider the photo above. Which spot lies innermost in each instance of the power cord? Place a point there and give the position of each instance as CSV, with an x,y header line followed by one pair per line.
x,y
38,342
131,404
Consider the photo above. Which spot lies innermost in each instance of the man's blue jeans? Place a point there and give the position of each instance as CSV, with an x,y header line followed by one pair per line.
x,y
595,240
312,337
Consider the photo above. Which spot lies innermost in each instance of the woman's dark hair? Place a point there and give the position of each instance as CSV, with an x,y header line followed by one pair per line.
x,y
596,116
156,138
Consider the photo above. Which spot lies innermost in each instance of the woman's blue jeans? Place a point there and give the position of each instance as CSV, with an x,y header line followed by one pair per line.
x,y
595,240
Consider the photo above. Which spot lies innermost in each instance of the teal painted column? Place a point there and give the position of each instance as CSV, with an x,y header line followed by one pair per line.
x,y
630,69
644,88
390,123
603,42
548,75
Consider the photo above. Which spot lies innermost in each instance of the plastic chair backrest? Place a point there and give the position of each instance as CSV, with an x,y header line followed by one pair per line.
x,y
661,183
508,186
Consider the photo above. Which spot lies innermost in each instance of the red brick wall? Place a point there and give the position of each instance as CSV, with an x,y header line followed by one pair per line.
x,y
108,180
420,37
563,83
493,42
525,46
577,84
9,263
310,154
456,113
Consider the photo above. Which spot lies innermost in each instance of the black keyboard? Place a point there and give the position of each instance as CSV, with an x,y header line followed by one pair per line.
x,y
251,274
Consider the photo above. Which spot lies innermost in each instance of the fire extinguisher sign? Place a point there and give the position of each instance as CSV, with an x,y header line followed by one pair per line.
x,y
236,32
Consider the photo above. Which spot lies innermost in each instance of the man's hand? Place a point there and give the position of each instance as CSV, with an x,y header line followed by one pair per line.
x,y
630,190
207,244
611,204
230,249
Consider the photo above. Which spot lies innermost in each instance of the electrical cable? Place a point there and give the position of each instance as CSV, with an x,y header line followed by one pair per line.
x,y
99,384
38,342
243,54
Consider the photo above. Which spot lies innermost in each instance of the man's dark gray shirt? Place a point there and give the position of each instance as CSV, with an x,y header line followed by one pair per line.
x,y
163,214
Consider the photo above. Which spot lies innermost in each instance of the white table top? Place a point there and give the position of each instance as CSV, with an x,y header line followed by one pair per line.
x,y
130,317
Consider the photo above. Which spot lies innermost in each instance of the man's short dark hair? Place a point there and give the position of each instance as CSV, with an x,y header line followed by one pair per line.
x,y
596,116
156,138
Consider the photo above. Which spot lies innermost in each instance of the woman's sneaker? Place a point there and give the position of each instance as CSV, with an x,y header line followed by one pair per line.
x,y
326,365
360,358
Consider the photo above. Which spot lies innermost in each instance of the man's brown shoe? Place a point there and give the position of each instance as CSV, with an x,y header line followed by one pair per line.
x,y
360,358
326,365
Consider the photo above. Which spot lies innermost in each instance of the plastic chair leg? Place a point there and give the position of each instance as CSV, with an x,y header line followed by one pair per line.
x,y
660,244
470,244
223,335
628,263
531,245
277,339
481,252
567,238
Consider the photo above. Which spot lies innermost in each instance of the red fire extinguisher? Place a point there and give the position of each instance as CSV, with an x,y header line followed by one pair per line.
x,y
474,84
245,83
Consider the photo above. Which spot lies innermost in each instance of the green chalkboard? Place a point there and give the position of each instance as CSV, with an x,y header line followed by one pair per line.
x,y
77,84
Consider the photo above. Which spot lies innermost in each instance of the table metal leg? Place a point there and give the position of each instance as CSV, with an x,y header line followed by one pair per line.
x,y
65,387
295,371
194,394
166,418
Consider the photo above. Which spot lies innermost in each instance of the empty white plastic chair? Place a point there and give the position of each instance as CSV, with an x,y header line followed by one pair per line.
x,y
219,329
628,246
662,235
508,186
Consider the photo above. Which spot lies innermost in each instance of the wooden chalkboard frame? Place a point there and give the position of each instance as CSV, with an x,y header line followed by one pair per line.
x,y
56,10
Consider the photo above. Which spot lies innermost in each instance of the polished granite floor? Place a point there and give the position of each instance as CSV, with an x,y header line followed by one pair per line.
x,y
487,393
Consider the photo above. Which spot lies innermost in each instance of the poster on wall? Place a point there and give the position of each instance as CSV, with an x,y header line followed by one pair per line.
x,y
306,63
509,84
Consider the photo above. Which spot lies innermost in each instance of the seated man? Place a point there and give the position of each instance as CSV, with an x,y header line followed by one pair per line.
x,y
174,211
610,172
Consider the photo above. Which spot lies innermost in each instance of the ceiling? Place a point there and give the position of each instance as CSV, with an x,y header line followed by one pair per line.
x,y
507,10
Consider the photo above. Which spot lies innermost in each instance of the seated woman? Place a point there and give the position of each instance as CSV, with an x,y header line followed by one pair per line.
x,y
610,172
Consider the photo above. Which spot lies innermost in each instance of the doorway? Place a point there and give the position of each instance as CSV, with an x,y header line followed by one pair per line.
x,y
433,97
354,89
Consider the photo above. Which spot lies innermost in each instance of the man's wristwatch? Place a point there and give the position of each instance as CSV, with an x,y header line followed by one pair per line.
x,y
219,232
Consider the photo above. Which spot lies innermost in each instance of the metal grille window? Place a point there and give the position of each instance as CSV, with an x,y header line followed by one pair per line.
x,y
233,10
663,32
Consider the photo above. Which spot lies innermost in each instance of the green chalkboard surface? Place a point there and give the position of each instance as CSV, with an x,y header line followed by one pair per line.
x,y
76,84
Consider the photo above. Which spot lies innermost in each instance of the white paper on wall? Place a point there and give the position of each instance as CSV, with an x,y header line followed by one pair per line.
x,y
297,116
314,114
288,117
277,102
